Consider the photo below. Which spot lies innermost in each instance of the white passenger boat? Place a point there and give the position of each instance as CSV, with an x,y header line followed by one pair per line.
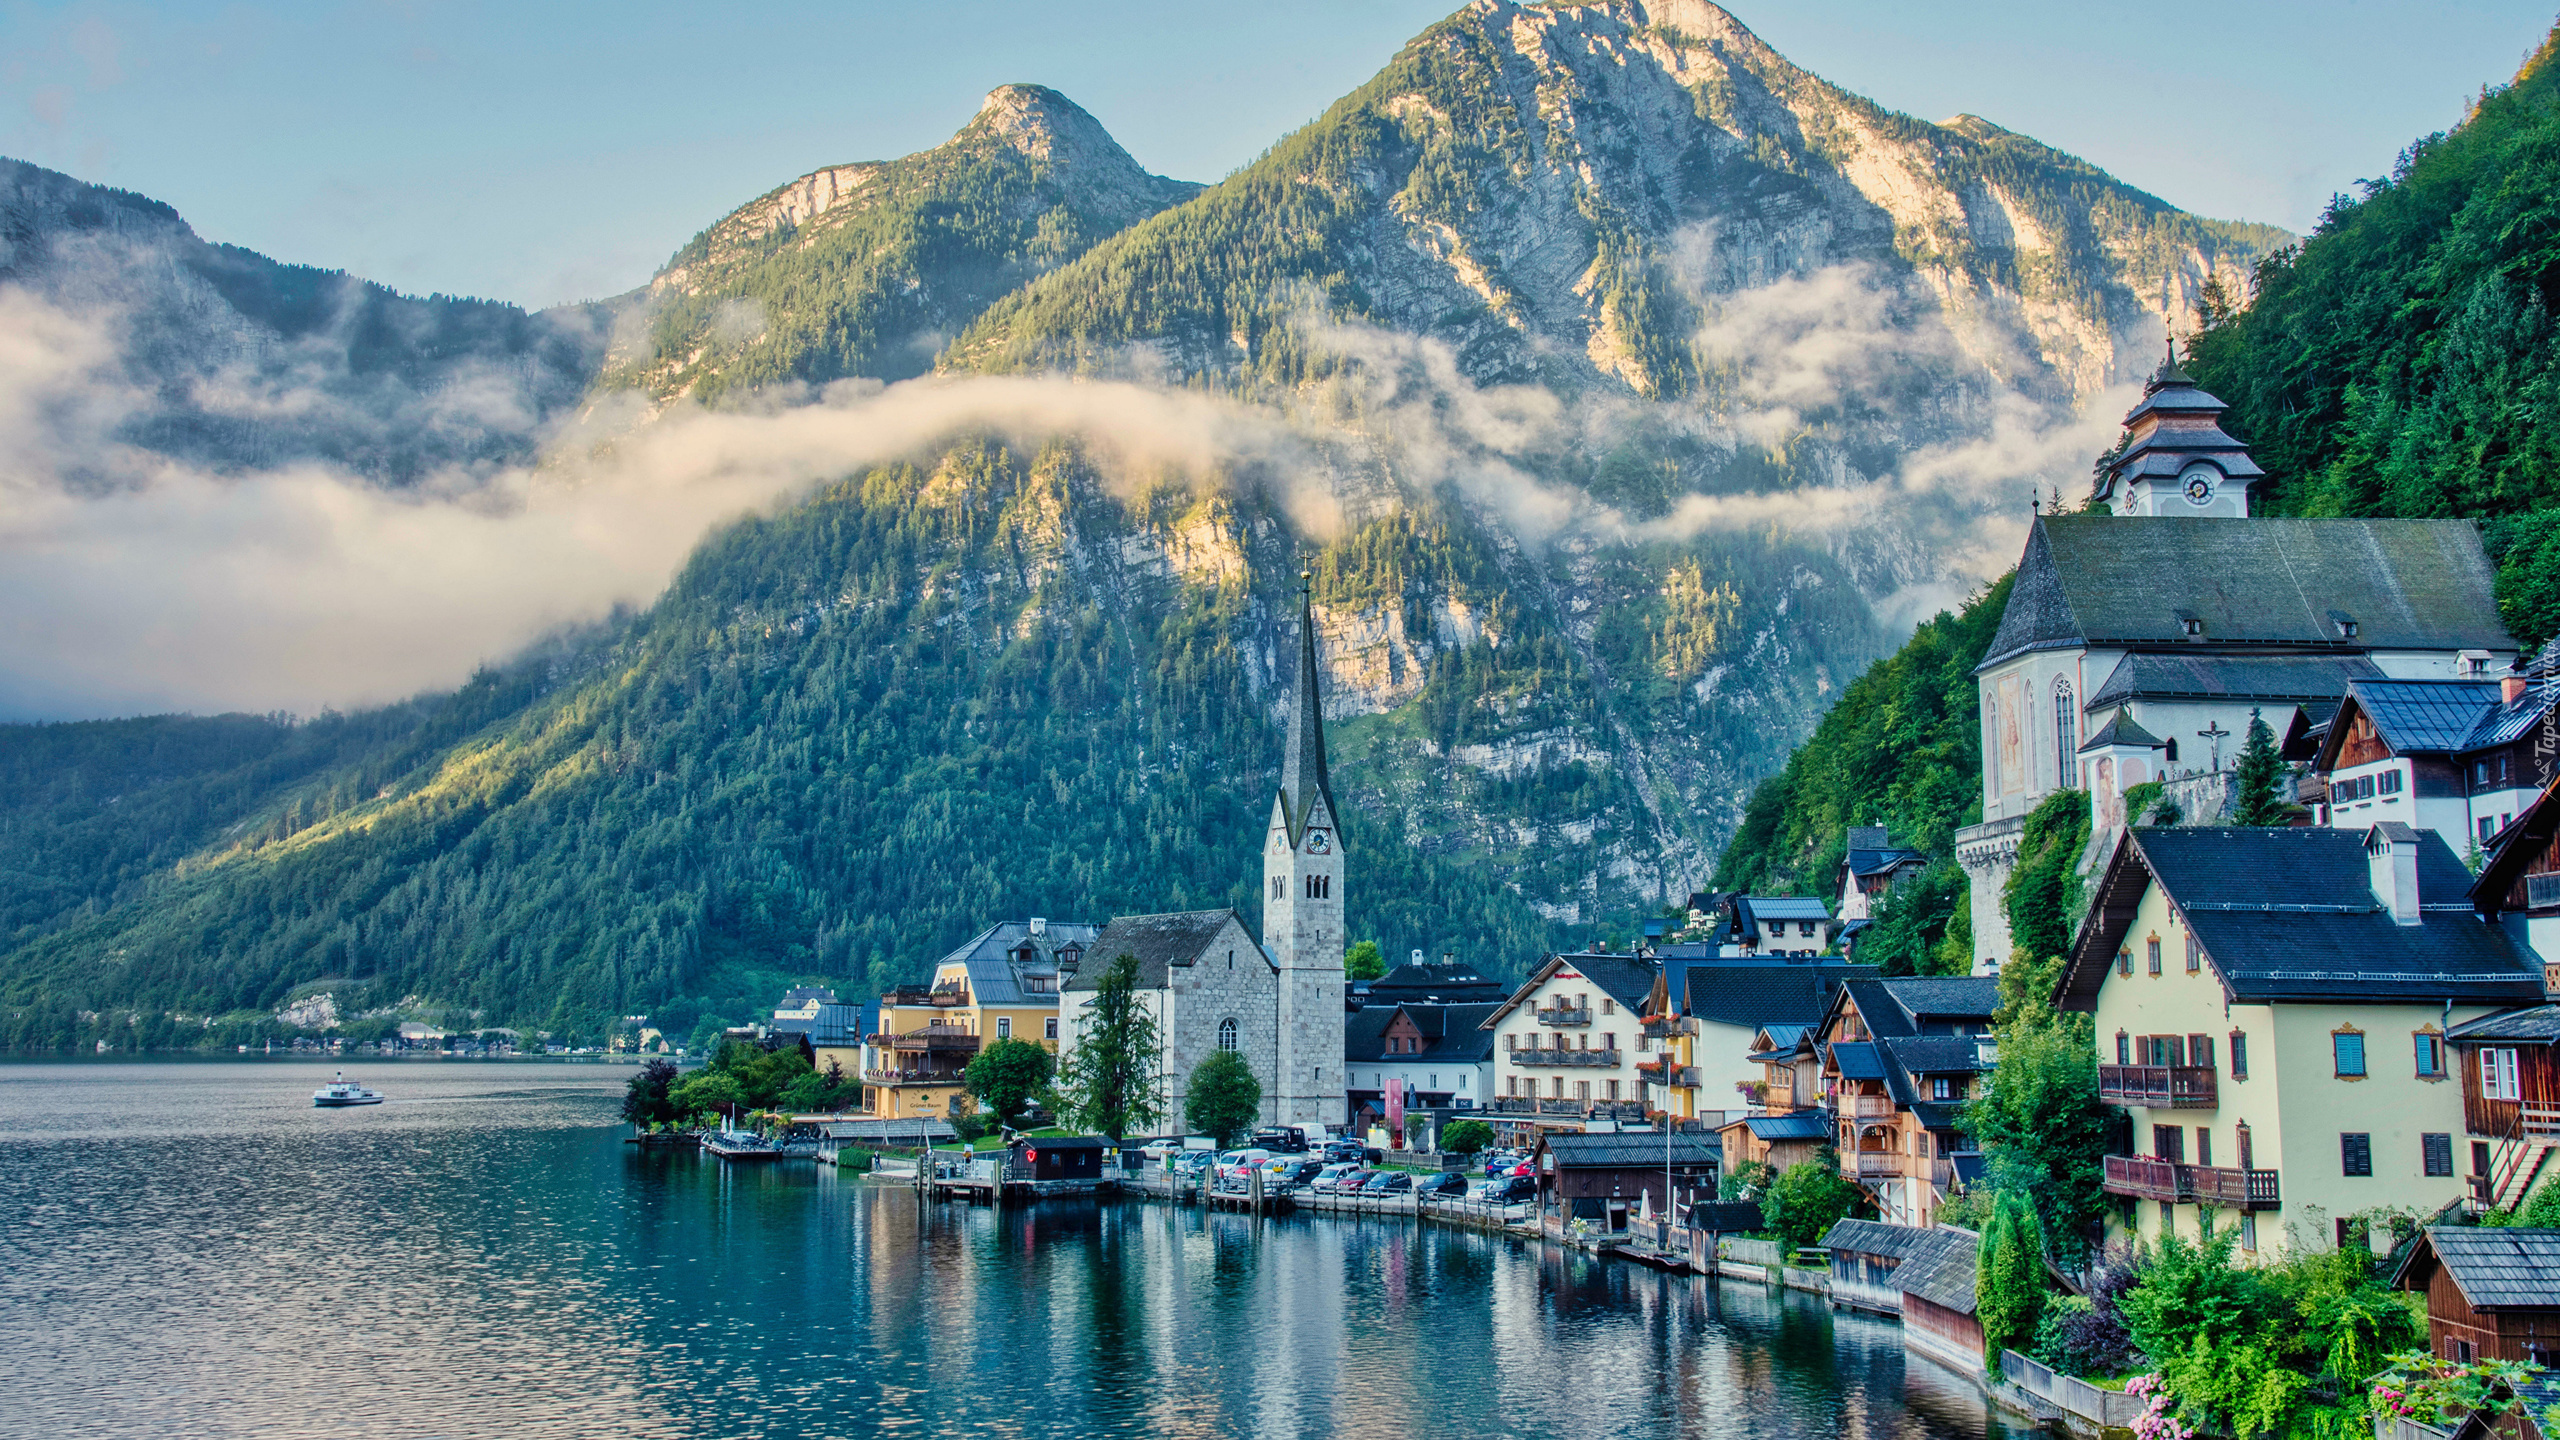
x,y
343,1091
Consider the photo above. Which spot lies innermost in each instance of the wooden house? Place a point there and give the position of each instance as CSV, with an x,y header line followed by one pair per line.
x,y
1057,1157
2518,887
2493,1292
1899,1059
1864,1256
2510,1067
1598,1178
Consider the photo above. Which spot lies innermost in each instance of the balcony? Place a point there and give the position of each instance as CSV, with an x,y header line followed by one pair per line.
x,y
2140,1177
1565,1015
2161,1087
928,1037
1873,1164
1865,1107
1594,1059
1664,1027
1654,1070
911,1077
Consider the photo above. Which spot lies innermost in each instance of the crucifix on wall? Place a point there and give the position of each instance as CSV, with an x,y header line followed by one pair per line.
x,y
2213,734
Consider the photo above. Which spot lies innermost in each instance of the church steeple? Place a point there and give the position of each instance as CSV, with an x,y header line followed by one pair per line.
x,y
1303,780
2174,457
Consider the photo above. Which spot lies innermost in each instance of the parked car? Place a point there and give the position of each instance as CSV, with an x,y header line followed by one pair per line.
x,y
1331,1176
1191,1162
1157,1150
1282,1139
1340,1150
1509,1190
1387,1182
1499,1162
1449,1184
1236,1162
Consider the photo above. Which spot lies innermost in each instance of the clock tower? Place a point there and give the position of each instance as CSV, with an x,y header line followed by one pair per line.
x,y
1302,897
2175,458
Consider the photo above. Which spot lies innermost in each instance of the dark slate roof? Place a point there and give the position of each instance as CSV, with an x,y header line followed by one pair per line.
x,y
2426,716
2298,678
1940,1268
2516,850
995,976
1937,1054
1450,1033
1874,1237
841,1027
1628,979
1798,1125
1629,1150
2122,729
1303,779
1765,993
1435,984
1857,1059
1159,942
2289,914
2121,580
1787,907
2538,1024
1901,1006
2501,1267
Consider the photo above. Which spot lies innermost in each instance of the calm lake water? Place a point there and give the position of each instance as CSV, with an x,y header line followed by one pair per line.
x,y
190,1249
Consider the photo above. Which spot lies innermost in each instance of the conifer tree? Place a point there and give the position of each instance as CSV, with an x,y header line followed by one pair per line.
x,y
1108,1083
2255,781
2009,1276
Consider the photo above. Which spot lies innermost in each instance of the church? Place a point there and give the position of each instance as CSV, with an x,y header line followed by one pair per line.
x,y
1211,986
2142,632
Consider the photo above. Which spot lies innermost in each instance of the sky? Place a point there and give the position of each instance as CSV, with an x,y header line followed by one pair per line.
x,y
562,150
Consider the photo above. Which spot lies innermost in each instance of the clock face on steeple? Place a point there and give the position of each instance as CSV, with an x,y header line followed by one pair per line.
x,y
1319,843
2198,482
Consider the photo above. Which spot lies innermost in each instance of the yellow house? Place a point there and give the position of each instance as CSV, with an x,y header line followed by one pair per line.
x,y
2271,1007
1000,985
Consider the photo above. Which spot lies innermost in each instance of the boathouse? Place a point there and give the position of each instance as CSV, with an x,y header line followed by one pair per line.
x,y
1598,1178
1864,1256
1936,1281
1057,1157
2493,1293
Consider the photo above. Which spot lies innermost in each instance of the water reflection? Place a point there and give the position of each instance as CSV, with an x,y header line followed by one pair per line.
x,y
192,1249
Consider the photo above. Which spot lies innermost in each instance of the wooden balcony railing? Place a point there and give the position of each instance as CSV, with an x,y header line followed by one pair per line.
x,y
1594,1059
1866,1107
1565,1015
913,1077
2161,1087
929,1037
2141,1177
1873,1164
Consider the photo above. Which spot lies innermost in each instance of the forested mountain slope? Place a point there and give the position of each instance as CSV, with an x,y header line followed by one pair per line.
x,y
1619,383
867,269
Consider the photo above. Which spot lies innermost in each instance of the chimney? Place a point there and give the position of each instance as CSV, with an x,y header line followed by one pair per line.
x,y
2391,859
1039,926
2511,689
1417,958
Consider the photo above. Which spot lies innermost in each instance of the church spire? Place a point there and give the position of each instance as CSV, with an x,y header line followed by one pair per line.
x,y
1303,780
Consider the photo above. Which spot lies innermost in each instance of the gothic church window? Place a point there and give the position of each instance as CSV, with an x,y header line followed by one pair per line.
x,y
2066,731
1227,1033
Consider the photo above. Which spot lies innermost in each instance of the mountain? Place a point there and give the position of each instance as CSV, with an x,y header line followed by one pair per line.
x,y
1617,386
220,356
866,269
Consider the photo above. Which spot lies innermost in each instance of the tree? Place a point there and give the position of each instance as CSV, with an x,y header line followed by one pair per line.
x,y
1363,962
1466,1137
1108,1084
1224,1099
2256,800
1747,1181
1005,1075
2039,1121
819,1092
1803,1203
2009,1288
2044,887
645,1102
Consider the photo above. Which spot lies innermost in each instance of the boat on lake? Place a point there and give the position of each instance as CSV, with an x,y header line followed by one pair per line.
x,y
342,1092
741,1145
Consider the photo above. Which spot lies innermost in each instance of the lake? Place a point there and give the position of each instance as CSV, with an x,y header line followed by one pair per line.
x,y
190,1249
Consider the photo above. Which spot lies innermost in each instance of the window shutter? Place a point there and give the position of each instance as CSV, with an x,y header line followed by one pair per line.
x,y
2355,1154
2439,1153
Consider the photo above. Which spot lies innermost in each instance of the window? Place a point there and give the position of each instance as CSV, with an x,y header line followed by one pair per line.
x,y
2200,1051
1608,1039
2195,954
1051,1026
1279,887
2169,1142
1511,1085
1582,1091
2498,1078
2153,944
2239,1056
2124,962
1510,1042
2240,1142
2204,1145
2488,829
1319,887
1227,1033
1942,1088
2346,1054
2430,1049
1004,1027
2248,1231
1608,1006
2066,732
2355,1155
2479,1157
1804,927
2171,754
2124,1048
2388,782
1613,1089
1991,742
2438,1151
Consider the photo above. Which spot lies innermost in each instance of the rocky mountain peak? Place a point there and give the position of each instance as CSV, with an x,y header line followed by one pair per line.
x,y
1054,131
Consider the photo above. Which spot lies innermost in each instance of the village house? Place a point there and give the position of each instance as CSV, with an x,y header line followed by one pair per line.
x,y
1791,1124
1869,869
1000,984
2493,1292
1899,1059
2271,1006
2460,757
1704,1014
2518,887
1420,982
1279,1002
2134,645
1937,1283
1433,1056
1564,1046
2509,1066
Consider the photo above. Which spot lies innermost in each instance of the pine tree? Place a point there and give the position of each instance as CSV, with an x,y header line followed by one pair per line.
x,y
1108,1082
2009,1275
2257,801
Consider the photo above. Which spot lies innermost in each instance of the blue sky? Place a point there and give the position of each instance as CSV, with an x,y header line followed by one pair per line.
x,y
556,151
